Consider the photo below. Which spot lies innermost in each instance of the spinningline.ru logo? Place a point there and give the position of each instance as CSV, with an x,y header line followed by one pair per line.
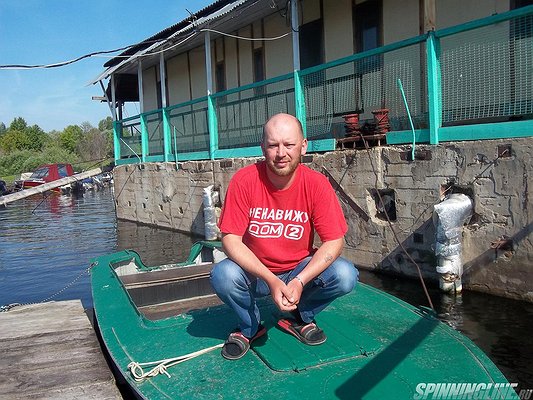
x,y
481,391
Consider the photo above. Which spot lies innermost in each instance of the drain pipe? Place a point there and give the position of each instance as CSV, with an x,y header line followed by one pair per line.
x,y
449,216
210,199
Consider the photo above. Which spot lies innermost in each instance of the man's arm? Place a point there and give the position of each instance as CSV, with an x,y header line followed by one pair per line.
x,y
237,251
324,256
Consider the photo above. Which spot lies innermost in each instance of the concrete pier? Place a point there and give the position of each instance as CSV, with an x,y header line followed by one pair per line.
x,y
50,351
497,242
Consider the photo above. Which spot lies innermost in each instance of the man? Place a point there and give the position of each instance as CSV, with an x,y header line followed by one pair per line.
x,y
270,214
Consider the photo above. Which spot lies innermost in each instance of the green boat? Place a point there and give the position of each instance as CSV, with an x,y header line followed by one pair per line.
x,y
163,327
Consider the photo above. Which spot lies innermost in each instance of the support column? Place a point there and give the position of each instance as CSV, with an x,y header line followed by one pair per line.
x,y
434,87
211,102
144,128
117,125
299,96
167,141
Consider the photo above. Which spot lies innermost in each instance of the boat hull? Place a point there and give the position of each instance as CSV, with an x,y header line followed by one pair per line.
x,y
378,346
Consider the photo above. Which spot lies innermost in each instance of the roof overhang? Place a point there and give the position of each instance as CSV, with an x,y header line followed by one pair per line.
x,y
224,15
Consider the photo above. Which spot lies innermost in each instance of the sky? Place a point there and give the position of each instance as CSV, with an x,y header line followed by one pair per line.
x,y
51,31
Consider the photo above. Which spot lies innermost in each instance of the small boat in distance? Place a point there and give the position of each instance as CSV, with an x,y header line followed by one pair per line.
x,y
160,325
49,173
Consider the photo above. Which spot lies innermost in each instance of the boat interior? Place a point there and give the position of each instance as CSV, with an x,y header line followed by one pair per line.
x,y
169,290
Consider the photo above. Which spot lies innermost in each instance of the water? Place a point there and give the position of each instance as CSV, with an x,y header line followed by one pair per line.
x,y
47,244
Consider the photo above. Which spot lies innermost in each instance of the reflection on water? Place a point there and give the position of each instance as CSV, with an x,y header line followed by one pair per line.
x,y
47,243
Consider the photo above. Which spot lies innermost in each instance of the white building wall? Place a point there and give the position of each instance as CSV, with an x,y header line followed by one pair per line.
x,y
231,60
400,20
448,14
178,79
278,53
245,56
338,29
198,76
150,88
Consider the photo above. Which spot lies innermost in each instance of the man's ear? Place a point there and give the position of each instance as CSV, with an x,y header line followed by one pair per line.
x,y
304,147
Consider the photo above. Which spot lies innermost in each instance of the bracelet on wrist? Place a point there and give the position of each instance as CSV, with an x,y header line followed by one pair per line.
x,y
299,280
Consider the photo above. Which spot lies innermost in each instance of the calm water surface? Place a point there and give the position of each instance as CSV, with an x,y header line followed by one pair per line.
x,y
46,244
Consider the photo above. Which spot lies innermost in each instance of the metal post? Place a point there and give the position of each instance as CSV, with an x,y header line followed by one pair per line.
x,y
434,87
211,103
140,83
299,96
164,113
117,126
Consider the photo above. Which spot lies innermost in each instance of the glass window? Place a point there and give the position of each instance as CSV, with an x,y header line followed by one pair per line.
x,y
220,76
62,170
259,65
311,44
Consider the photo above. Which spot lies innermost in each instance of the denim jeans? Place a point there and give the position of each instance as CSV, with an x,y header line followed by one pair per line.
x,y
239,289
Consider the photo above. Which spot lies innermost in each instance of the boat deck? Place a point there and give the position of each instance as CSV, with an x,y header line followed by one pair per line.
x,y
378,347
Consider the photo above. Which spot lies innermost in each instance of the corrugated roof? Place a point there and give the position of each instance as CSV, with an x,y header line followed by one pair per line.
x,y
209,13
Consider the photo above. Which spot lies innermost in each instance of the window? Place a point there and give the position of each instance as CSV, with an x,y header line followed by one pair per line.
x,y
220,76
311,44
367,20
367,25
259,65
62,170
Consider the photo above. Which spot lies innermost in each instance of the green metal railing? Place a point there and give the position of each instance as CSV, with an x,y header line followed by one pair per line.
x,y
469,82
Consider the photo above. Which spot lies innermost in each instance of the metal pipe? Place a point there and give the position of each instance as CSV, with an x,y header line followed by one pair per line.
x,y
449,216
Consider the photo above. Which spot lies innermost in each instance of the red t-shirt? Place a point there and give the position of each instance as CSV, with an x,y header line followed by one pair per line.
x,y
279,225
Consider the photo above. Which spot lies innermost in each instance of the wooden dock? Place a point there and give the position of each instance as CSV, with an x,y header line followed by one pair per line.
x,y
50,351
8,198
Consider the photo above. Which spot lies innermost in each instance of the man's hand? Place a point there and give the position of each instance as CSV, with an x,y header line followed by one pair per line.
x,y
286,296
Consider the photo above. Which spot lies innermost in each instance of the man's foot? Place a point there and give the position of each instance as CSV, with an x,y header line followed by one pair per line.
x,y
308,333
237,345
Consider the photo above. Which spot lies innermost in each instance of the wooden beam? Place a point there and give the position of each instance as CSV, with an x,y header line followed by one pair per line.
x,y
48,186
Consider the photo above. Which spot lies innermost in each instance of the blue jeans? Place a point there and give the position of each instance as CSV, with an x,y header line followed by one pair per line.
x,y
239,289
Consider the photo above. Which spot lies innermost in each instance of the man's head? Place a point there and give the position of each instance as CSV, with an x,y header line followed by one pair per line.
x,y
283,144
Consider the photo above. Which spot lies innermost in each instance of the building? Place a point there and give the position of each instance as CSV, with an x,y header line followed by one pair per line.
x,y
446,85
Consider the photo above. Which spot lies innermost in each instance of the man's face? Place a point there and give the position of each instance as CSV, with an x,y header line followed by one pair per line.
x,y
283,145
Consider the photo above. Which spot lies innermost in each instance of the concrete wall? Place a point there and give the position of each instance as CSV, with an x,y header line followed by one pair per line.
x,y
158,194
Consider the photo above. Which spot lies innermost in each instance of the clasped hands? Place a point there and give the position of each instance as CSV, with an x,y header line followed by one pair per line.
x,y
286,296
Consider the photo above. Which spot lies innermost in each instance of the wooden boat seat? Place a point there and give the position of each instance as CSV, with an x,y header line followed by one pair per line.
x,y
166,292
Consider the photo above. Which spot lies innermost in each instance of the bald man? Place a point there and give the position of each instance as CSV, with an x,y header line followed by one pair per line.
x,y
270,215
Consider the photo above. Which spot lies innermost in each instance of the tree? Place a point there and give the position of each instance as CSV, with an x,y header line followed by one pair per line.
x,y
95,145
3,128
86,127
105,124
18,124
69,138
36,137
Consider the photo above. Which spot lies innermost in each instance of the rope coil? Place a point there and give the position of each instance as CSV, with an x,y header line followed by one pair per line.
x,y
161,366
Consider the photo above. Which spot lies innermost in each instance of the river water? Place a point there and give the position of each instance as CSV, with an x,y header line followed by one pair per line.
x,y
46,245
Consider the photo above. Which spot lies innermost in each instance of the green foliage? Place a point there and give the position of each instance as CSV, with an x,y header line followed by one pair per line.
x,y
106,124
18,124
49,156
11,164
24,148
20,136
69,138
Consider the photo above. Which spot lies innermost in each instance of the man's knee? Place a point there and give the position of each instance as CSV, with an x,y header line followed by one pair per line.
x,y
226,276
346,275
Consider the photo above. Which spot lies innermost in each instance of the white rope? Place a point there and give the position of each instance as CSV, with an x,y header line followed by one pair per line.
x,y
161,366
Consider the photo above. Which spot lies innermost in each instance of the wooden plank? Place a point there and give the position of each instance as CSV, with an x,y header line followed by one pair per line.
x,y
48,186
50,350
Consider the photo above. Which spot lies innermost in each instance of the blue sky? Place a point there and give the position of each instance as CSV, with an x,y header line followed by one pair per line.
x,y
51,31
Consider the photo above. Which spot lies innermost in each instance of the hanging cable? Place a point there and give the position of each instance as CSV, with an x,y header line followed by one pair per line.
x,y
404,250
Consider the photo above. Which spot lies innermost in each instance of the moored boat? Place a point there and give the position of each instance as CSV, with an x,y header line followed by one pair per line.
x,y
378,346
49,173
